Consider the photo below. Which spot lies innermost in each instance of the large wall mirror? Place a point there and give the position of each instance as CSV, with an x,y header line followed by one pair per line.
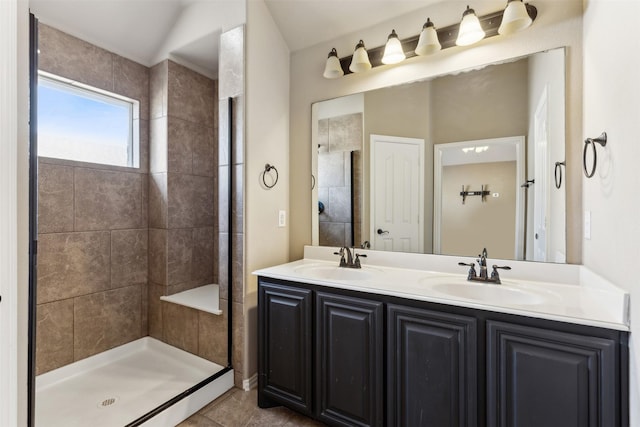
x,y
447,165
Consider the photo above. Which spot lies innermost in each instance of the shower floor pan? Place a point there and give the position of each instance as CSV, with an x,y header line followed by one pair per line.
x,y
118,386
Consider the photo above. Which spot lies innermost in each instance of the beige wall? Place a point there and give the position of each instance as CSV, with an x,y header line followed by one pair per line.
x,y
555,26
611,104
267,142
468,227
483,104
403,111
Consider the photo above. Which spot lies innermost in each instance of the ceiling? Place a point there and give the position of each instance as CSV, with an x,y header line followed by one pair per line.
x,y
304,23
149,31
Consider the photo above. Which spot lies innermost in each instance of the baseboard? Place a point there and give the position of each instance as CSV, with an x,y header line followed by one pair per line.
x,y
250,383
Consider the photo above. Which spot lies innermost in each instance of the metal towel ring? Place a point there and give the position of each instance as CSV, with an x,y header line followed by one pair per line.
x,y
602,140
557,174
268,168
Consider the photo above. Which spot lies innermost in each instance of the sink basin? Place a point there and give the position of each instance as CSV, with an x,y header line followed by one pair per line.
x,y
489,293
333,272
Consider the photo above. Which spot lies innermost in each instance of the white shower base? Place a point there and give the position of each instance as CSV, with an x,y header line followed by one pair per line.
x,y
118,386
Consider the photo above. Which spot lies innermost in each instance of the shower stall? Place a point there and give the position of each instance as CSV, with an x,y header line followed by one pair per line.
x,y
130,307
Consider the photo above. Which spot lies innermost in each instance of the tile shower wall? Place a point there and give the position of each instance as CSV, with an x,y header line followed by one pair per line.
x,y
232,63
339,163
183,219
92,224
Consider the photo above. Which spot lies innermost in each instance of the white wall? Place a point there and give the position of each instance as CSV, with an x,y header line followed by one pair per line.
x,y
558,24
14,191
612,104
267,141
544,70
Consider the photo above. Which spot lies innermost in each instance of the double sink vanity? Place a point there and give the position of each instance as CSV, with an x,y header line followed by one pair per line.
x,y
407,340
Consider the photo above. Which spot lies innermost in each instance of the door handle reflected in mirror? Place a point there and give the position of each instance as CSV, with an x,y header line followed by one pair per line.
x,y
382,232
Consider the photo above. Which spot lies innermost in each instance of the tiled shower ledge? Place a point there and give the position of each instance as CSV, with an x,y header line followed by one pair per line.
x,y
204,298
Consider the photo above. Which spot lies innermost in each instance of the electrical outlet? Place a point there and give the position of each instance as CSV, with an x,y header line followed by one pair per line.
x,y
587,225
282,218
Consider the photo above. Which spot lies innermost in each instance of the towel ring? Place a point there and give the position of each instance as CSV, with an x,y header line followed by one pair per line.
x,y
602,140
557,174
313,181
269,168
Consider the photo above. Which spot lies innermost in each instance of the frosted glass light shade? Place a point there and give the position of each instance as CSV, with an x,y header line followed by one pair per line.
x,y
360,60
515,18
428,42
333,69
393,52
470,30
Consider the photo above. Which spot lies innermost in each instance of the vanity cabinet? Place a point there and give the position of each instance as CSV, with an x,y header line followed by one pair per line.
x,y
350,358
432,368
285,347
541,377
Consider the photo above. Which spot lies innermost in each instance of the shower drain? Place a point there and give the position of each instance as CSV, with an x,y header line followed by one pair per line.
x,y
107,402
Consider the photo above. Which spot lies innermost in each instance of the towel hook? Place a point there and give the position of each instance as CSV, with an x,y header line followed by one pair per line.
x,y
557,173
528,183
602,140
269,168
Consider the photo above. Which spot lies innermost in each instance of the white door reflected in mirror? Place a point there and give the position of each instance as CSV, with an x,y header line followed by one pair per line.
x,y
397,193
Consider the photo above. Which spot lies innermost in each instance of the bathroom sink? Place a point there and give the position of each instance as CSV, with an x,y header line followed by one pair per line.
x,y
334,272
489,293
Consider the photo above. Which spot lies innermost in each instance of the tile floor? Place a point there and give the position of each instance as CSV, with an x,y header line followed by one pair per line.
x,y
238,408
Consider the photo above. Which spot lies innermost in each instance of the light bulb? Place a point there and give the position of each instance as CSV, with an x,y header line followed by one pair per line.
x,y
360,60
393,52
333,69
470,30
515,18
428,42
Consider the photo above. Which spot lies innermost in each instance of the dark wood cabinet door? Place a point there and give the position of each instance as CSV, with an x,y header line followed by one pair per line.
x,y
350,360
432,368
285,340
538,377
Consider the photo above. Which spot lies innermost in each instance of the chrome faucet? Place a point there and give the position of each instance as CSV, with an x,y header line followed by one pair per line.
x,y
350,261
483,276
482,263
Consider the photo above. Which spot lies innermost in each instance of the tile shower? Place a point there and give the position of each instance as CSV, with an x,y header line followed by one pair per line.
x,y
112,240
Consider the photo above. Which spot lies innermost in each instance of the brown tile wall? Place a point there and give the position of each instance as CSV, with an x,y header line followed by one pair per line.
x,y
183,219
92,223
338,138
232,86
113,239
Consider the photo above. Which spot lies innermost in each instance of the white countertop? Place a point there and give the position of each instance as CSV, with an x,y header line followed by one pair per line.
x,y
576,296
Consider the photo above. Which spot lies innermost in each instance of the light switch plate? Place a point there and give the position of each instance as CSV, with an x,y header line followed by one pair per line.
x,y
282,218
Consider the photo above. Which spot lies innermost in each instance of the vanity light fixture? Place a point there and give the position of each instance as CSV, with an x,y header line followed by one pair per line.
x,y
393,52
333,69
515,18
360,61
428,42
470,29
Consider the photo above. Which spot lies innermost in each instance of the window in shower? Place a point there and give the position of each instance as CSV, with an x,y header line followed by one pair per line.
x,y
81,123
